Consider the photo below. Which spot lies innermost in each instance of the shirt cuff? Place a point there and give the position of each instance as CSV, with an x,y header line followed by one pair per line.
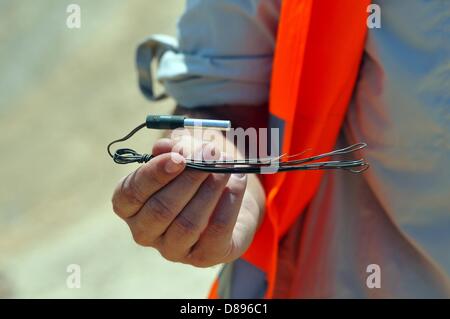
x,y
207,81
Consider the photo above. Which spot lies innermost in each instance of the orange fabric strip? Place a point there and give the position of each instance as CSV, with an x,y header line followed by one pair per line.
x,y
317,57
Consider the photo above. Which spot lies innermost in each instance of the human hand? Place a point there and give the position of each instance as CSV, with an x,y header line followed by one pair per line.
x,y
189,216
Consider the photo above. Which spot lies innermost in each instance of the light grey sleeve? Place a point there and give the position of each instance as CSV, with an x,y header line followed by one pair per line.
x,y
224,54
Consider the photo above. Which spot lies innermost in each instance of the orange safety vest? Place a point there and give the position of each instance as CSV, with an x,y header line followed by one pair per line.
x,y
316,63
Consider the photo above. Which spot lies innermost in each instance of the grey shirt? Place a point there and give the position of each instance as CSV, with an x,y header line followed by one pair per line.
x,y
397,215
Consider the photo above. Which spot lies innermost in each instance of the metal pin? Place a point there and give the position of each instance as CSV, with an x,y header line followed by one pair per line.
x,y
208,124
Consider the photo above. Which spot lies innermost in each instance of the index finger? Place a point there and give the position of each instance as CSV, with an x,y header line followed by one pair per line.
x,y
134,190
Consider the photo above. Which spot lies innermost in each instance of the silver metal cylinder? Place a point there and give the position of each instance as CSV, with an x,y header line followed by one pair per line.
x,y
207,124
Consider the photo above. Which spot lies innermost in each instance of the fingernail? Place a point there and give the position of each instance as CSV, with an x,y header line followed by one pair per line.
x,y
174,164
210,152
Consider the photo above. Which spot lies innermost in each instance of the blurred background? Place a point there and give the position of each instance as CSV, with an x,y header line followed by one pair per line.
x,y
64,94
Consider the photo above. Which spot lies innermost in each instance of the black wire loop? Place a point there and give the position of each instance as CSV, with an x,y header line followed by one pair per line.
x,y
283,163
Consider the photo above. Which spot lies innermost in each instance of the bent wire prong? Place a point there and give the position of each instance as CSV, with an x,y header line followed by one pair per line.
x,y
279,164
283,163
260,166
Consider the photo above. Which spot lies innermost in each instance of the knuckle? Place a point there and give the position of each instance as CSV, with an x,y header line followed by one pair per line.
x,y
117,208
156,177
186,226
213,185
201,260
125,195
208,190
218,226
190,178
141,238
168,254
201,264
160,209
130,190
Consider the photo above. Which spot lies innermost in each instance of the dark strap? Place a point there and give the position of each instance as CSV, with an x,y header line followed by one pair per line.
x,y
152,48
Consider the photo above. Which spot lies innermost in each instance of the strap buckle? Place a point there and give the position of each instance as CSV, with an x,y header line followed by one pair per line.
x,y
152,48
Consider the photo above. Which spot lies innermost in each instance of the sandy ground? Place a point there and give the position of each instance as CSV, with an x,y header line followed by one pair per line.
x,y
65,93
